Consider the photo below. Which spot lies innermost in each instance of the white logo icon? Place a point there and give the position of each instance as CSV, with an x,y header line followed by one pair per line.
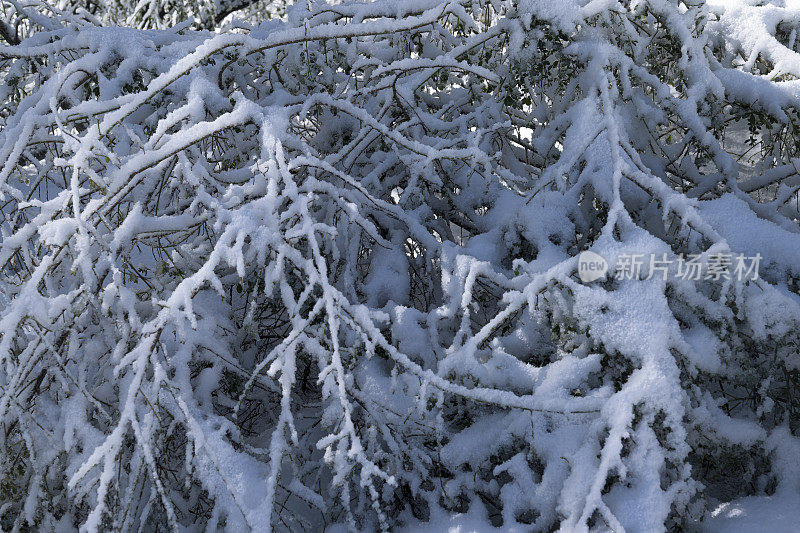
x,y
591,267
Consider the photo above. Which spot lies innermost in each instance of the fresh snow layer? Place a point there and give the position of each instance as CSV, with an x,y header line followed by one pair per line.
x,y
775,514
779,513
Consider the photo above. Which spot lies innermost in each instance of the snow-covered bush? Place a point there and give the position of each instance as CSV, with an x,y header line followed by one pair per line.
x,y
149,14
324,271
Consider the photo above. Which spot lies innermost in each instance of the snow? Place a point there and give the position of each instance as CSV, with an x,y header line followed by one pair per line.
x,y
319,272
471,522
755,513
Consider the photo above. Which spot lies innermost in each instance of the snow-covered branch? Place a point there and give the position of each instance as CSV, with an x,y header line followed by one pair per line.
x,y
325,270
